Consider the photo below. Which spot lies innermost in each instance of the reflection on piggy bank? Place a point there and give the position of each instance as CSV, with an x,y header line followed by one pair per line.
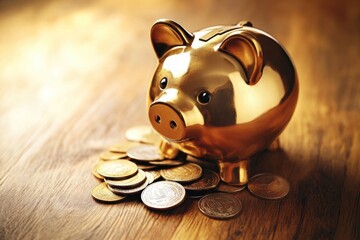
x,y
223,93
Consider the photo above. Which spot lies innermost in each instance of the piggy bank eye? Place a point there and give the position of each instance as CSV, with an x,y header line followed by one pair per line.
x,y
204,97
163,83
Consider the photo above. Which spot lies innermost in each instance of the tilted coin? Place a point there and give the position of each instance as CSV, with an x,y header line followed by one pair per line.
x,y
184,173
223,187
129,191
220,205
94,171
144,166
194,196
145,152
167,162
122,147
150,177
197,194
155,173
137,133
118,169
151,138
202,163
209,180
268,186
133,181
107,155
103,194
163,195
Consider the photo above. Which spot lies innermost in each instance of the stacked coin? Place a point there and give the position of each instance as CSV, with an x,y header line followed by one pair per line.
x,y
120,176
130,167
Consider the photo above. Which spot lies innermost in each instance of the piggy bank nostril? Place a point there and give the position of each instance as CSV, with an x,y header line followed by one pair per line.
x,y
157,119
167,121
173,124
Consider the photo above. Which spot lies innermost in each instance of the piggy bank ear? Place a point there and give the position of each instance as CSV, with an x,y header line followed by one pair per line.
x,y
166,34
247,51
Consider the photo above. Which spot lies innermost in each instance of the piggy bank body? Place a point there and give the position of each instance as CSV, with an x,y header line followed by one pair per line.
x,y
223,93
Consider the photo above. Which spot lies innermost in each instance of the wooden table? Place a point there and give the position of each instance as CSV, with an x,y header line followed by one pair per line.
x,y
74,77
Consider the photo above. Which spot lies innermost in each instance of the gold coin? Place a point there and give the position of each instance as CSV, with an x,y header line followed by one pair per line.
x,y
145,153
136,134
133,181
155,173
103,194
145,166
220,205
130,191
122,147
107,155
226,188
184,173
118,169
167,162
268,186
209,180
163,195
95,173
151,138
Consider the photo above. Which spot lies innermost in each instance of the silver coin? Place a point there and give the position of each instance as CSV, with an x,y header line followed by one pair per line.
x,y
163,195
144,152
150,177
129,191
220,205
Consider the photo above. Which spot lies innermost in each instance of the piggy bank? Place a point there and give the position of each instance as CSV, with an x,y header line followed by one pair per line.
x,y
223,93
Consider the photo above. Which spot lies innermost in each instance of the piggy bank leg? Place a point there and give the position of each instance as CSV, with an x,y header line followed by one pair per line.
x,y
168,150
275,145
234,173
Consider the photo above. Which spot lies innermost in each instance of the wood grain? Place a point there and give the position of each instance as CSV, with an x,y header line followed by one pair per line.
x,y
74,76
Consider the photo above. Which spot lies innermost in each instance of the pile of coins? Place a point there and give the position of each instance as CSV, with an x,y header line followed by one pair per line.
x,y
135,167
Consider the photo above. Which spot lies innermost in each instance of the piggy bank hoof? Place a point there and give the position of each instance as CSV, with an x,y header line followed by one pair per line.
x,y
234,173
168,150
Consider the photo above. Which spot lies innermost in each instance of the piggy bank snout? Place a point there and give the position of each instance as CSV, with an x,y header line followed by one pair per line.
x,y
167,121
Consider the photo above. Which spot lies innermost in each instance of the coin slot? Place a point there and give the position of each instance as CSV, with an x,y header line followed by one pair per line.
x,y
173,125
157,119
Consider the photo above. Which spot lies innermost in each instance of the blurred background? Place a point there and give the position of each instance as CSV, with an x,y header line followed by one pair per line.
x,y
53,51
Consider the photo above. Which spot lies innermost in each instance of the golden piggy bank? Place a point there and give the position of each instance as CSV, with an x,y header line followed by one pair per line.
x,y
223,93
